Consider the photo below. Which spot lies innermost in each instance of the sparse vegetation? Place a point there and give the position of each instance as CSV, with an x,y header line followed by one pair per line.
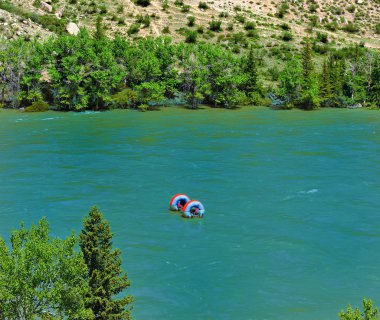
x,y
287,36
133,28
215,25
351,27
190,21
143,3
203,5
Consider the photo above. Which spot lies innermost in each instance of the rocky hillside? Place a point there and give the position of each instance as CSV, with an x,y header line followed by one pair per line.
x,y
224,21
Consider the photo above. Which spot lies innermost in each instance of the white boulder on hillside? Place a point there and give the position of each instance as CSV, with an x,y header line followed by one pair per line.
x,y
46,7
72,28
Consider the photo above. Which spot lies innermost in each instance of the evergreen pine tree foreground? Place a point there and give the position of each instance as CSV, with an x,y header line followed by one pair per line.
x,y
105,276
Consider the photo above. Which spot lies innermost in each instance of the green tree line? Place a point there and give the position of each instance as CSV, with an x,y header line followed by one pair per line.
x,y
347,77
95,72
48,278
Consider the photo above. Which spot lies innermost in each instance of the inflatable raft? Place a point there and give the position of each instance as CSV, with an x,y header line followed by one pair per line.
x,y
178,202
193,209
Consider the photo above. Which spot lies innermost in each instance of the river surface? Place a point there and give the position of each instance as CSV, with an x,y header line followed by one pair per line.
x,y
292,223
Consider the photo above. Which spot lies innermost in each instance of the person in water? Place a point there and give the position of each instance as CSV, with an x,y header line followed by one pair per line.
x,y
179,205
194,211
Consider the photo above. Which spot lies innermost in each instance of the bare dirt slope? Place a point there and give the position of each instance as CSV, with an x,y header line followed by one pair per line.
x,y
343,21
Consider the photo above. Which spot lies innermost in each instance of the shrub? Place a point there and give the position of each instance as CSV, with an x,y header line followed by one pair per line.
x,y
351,27
322,37
377,28
102,9
124,99
252,34
190,21
336,10
285,26
166,30
215,25
203,5
287,36
282,10
250,26
240,18
191,36
351,8
37,106
313,8
185,8
37,3
320,48
200,30
223,15
178,3
143,3
274,73
332,26
133,29
314,20
120,8
144,20
120,21
143,107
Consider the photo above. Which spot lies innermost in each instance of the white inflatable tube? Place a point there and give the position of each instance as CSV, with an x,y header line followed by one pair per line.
x,y
179,199
193,209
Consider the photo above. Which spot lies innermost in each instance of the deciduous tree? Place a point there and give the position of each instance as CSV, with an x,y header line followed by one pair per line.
x,y
40,275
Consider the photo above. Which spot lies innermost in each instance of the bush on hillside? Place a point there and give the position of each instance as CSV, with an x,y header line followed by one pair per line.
x,y
250,26
191,36
143,3
215,25
190,21
377,28
133,29
203,5
287,36
351,28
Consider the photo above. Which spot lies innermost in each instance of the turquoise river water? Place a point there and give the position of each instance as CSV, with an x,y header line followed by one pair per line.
x,y
292,227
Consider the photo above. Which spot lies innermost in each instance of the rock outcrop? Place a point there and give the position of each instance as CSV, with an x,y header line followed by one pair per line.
x,y
72,28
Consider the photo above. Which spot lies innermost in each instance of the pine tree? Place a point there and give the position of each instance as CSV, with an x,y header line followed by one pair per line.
x,y
325,82
375,88
250,69
99,31
310,86
307,63
105,276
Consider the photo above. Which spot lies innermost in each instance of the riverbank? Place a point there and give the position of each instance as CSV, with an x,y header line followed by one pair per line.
x,y
86,72
166,109
200,109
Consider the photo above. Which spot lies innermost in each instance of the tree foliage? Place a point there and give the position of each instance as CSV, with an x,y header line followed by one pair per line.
x,y
105,276
368,313
92,72
40,275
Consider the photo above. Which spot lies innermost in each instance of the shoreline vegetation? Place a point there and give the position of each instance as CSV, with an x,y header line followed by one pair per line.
x,y
48,278
93,72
